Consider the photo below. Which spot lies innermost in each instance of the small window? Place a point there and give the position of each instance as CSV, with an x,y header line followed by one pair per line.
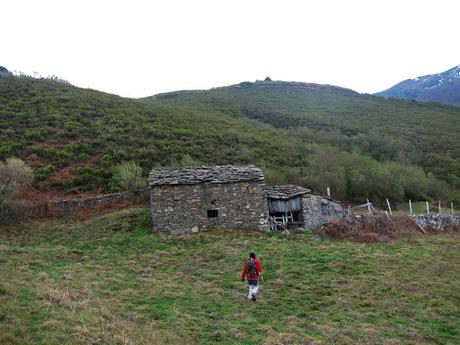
x,y
324,209
213,213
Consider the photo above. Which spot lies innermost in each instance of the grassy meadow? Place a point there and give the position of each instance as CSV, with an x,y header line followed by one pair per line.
x,y
108,280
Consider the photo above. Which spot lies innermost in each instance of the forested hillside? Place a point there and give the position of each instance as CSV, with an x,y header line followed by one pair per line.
x,y
360,145
350,129
72,137
403,131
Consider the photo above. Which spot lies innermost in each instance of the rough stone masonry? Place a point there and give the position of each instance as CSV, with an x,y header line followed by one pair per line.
x,y
186,200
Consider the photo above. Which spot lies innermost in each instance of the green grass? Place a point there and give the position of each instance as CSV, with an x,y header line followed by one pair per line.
x,y
108,280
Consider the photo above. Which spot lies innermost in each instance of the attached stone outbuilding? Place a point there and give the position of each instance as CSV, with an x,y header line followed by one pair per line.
x,y
318,210
285,206
292,206
186,200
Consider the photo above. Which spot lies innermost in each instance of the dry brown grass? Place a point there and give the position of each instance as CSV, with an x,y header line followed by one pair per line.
x,y
371,229
453,228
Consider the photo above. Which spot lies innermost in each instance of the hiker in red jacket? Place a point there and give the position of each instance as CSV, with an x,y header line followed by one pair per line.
x,y
252,271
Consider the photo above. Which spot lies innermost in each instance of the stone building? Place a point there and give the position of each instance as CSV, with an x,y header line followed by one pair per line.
x,y
318,210
192,199
294,206
285,206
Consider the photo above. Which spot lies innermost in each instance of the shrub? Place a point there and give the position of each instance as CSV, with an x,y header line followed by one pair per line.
x,y
10,210
35,134
59,157
246,84
6,148
15,176
89,179
83,157
43,172
456,201
77,148
187,160
106,160
128,176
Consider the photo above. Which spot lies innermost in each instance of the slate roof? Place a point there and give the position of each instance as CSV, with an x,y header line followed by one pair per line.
x,y
286,191
212,174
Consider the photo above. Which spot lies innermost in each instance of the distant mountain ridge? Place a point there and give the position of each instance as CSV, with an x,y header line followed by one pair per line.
x,y
441,87
4,72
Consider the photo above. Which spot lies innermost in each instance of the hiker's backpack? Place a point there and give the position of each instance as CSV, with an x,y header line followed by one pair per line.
x,y
251,268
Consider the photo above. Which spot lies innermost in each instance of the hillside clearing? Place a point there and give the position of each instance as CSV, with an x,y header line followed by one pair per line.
x,y
108,280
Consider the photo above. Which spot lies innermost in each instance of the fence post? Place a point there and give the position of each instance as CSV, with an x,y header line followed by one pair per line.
x,y
368,206
389,207
410,206
328,191
452,209
427,207
439,207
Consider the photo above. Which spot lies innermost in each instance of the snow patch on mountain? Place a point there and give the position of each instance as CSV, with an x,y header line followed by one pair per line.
x,y
440,87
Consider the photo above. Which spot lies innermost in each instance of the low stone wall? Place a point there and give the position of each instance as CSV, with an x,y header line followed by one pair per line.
x,y
435,221
424,222
64,207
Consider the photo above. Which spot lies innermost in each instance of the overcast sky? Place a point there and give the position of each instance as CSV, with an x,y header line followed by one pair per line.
x,y
139,48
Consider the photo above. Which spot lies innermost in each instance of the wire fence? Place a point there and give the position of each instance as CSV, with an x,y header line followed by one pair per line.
x,y
410,208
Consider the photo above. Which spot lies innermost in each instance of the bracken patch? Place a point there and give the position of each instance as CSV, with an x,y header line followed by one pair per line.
x,y
370,229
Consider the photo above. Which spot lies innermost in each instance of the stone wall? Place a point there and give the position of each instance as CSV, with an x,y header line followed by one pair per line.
x,y
64,207
435,221
184,208
317,210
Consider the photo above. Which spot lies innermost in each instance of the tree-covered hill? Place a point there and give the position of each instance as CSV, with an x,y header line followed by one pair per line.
x,y
404,131
315,135
72,137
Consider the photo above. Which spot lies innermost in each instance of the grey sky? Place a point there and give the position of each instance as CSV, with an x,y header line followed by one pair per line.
x,y
139,48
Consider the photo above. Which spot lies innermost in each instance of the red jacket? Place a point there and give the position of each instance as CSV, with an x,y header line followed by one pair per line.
x,y
258,270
